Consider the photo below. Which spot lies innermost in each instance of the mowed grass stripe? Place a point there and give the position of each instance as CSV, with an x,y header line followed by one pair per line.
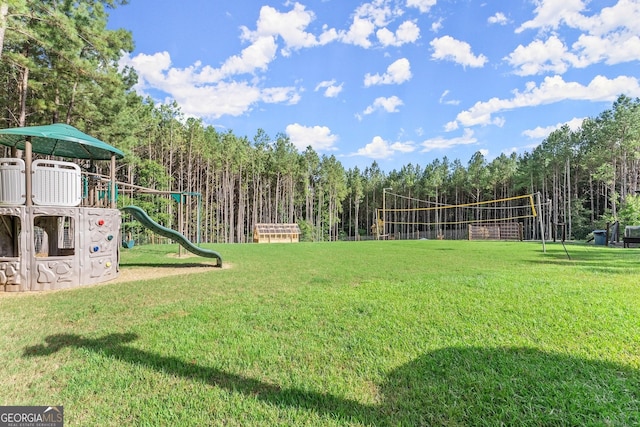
x,y
344,333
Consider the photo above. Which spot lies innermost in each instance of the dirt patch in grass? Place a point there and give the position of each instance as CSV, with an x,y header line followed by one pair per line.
x,y
132,274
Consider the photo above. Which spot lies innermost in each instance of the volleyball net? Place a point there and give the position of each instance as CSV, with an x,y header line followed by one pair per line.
x,y
505,218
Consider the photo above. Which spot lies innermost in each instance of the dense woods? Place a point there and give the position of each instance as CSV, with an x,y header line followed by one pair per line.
x,y
58,63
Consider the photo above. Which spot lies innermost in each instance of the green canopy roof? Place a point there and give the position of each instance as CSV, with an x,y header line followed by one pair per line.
x,y
59,140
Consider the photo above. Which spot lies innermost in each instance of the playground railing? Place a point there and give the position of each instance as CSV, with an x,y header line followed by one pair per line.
x,y
96,190
54,183
12,182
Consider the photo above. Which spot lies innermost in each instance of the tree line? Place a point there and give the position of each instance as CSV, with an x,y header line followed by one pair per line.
x,y
59,64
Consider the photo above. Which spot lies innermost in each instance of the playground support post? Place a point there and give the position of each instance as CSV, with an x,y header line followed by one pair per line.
x,y
112,183
28,155
198,220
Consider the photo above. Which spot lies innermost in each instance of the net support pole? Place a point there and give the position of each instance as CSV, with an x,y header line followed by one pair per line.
x,y
199,221
544,248
180,225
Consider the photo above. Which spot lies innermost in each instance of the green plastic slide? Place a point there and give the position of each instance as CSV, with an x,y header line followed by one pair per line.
x,y
141,216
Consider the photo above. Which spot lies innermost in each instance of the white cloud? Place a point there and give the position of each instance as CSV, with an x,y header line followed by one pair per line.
x,y
549,14
378,14
328,35
214,101
149,67
610,36
290,26
551,90
442,143
448,48
379,149
542,56
277,95
319,138
442,99
407,32
358,33
403,147
397,73
422,5
623,15
436,26
612,49
451,126
198,92
390,105
331,90
498,18
386,37
257,56
543,132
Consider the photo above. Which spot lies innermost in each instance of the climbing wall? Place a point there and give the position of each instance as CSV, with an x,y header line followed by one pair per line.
x,y
99,244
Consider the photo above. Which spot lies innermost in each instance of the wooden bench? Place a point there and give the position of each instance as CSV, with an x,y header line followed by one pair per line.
x,y
627,240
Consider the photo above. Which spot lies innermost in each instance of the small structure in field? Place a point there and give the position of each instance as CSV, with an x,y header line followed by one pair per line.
x,y
496,231
276,233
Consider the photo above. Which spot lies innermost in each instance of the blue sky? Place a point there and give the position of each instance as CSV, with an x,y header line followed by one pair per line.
x,y
395,81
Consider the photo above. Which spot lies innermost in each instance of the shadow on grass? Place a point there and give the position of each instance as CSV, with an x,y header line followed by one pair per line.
x,y
167,265
450,386
600,260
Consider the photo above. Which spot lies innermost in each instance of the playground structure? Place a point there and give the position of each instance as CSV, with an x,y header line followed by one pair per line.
x,y
59,226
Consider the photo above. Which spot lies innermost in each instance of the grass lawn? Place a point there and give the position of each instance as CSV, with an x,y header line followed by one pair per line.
x,y
331,334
